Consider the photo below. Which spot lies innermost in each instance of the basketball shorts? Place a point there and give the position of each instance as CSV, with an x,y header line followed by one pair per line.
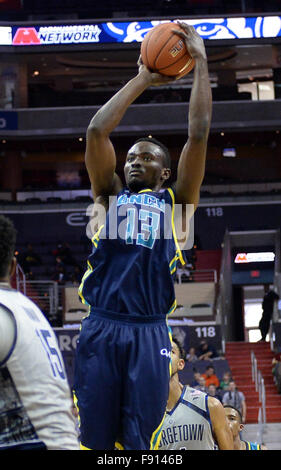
x,y
121,384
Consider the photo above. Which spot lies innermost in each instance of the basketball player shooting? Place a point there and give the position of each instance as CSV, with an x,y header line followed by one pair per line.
x,y
123,353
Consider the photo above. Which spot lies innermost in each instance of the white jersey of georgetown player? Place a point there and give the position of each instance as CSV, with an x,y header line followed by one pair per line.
x,y
188,426
35,400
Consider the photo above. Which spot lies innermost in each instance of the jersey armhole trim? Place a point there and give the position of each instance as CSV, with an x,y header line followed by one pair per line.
x,y
209,417
5,360
180,400
178,250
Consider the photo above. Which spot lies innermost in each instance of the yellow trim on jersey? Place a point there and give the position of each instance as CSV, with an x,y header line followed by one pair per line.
x,y
170,334
87,273
173,227
95,241
119,446
173,307
84,447
249,445
144,190
156,436
173,264
96,237
75,401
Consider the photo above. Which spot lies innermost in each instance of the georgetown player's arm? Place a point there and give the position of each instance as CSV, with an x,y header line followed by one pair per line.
x,y
191,166
100,154
221,429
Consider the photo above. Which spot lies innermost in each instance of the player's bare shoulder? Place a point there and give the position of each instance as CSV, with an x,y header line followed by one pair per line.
x,y
216,409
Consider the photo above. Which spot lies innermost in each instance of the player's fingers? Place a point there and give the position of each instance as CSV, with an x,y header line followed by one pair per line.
x,y
183,25
179,33
188,28
140,62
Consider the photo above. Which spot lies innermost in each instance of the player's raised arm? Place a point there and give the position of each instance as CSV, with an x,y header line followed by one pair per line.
x,y
221,428
100,154
191,166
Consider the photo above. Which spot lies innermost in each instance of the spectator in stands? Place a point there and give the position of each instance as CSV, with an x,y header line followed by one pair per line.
x,y
224,384
59,261
201,384
29,276
60,275
63,251
196,377
76,276
210,377
183,274
29,258
191,356
235,398
213,392
267,307
206,351
276,372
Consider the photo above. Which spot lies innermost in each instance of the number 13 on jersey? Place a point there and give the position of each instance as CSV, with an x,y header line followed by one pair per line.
x,y
149,227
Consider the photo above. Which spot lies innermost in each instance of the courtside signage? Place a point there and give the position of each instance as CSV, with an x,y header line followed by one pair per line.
x,y
255,27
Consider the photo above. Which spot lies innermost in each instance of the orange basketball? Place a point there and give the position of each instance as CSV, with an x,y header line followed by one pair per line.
x,y
165,52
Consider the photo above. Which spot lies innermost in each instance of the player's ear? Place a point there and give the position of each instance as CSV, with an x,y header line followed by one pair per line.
x,y
241,427
166,173
181,364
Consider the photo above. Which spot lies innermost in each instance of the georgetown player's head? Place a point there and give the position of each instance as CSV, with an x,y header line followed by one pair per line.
x,y
234,419
178,356
147,165
7,248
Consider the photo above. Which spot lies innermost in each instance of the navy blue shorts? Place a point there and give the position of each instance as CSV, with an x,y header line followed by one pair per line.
x,y
122,374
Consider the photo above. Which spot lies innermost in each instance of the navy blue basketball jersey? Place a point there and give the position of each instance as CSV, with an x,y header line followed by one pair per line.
x,y
132,266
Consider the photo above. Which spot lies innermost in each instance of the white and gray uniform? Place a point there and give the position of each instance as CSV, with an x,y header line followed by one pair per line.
x,y
35,399
188,425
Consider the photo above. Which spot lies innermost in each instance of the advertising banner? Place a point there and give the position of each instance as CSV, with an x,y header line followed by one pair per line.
x,y
254,27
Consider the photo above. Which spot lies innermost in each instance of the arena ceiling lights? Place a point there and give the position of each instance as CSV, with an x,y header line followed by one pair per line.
x,y
231,28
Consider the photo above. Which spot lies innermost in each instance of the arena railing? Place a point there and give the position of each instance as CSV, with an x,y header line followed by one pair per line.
x,y
258,379
198,275
43,293
20,279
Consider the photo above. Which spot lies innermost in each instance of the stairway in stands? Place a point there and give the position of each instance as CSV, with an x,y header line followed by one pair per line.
x,y
238,355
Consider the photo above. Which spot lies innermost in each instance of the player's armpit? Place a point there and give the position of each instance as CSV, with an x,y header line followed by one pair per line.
x,y
221,428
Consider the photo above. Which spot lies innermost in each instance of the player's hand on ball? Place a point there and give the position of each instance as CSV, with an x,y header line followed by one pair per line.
x,y
156,79
193,41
